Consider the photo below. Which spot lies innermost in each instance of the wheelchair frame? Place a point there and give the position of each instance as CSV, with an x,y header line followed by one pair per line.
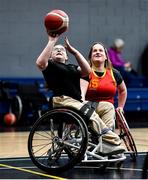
x,y
60,139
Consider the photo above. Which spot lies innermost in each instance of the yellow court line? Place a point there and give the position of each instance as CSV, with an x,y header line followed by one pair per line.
x,y
33,172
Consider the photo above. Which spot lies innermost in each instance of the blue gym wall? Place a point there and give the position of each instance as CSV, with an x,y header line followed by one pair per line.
x,y
23,36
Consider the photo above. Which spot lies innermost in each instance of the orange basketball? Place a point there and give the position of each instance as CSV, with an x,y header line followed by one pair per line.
x,y
9,119
56,21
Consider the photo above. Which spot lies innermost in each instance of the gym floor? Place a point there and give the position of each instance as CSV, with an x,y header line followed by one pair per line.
x,y
16,164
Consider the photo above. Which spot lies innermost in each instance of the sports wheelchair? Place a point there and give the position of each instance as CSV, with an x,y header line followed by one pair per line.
x,y
62,138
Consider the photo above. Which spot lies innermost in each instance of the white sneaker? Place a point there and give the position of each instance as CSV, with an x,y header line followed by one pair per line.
x,y
111,149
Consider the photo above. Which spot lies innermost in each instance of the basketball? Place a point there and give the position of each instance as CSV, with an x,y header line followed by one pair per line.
x,y
9,119
56,22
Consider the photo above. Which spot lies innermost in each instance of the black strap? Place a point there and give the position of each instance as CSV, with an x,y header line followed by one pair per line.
x,y
94,105
87,110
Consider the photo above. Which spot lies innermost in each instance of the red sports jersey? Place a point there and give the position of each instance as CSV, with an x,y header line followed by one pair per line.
x,y
101,88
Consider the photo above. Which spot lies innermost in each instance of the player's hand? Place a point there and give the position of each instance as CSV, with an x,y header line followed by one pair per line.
x,y
53,37
69,47
120,109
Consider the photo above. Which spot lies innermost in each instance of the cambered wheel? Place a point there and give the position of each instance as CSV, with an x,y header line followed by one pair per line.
x,y
125,134
58,140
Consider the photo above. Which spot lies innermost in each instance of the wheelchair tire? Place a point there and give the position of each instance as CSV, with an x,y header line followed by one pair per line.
x,y
16,107
126,135
58,140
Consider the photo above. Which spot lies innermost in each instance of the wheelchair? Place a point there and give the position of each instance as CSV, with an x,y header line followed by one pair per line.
x,y
125,135
62,138
28,104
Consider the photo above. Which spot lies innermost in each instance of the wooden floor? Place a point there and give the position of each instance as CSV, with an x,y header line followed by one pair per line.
x,y
14,143
15,162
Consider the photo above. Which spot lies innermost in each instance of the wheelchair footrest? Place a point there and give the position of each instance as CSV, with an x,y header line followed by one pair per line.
x,y
91,157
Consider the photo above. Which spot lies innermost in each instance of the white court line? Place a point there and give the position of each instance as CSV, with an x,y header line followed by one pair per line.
x,y
111,168
76,167
28,158
82,167
126,169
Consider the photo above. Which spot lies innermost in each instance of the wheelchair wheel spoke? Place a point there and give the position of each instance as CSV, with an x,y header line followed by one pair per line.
x,y
58,140
71,153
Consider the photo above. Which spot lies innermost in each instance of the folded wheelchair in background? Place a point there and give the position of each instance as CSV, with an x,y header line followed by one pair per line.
x,y
29,103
